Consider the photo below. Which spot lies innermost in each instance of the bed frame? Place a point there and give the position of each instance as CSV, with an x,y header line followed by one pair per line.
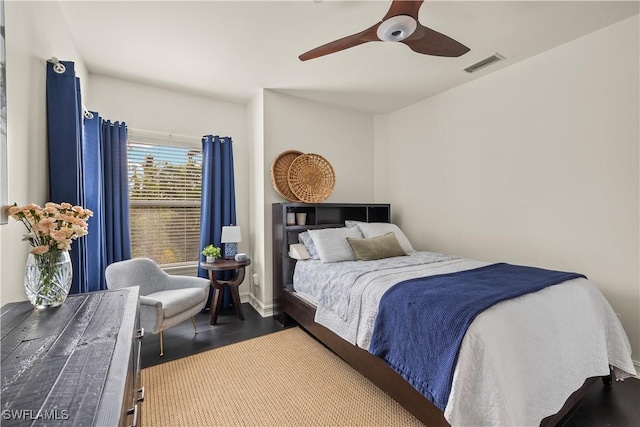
x,y
288,308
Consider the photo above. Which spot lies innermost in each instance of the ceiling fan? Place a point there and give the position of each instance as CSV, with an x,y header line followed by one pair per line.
x,y
400,24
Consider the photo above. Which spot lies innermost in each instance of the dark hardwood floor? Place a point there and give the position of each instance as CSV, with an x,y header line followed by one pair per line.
x,y
180,341
618,406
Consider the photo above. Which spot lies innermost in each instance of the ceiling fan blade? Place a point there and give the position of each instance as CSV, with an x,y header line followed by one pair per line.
x,y
404,7
429,42
368,35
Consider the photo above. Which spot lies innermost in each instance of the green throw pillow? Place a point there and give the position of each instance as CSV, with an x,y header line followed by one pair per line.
x,y
385,246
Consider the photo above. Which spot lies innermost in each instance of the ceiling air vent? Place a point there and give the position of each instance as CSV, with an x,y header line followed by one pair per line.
x,y
483,63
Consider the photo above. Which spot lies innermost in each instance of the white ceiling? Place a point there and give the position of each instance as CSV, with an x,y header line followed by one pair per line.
x,y
231,49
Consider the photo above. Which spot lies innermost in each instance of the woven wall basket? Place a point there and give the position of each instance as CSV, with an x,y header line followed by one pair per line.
x,y
279,174
311,178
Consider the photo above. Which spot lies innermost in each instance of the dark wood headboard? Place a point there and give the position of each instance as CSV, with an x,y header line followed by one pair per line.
x,y
322,215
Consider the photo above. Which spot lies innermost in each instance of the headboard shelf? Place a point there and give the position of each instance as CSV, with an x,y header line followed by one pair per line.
x,y
301,228
321,215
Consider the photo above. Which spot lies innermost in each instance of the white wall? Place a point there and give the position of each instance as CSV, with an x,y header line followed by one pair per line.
x,y
344,137
257,297
537,164
155,109
35,32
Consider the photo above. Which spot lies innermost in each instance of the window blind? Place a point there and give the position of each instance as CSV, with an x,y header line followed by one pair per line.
x,y
164,192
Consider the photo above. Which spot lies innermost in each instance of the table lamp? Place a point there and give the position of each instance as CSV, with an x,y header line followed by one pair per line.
x,y
231,235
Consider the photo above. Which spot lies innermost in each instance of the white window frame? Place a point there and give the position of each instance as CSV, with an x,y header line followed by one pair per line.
x,y
170,140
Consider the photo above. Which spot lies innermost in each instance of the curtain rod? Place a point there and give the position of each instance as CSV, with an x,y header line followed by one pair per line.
x,y
166,135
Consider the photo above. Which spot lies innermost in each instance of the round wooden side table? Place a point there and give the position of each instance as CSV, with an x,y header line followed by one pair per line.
x,y
219,285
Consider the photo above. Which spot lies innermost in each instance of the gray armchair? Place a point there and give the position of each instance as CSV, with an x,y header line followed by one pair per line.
x,y
165,300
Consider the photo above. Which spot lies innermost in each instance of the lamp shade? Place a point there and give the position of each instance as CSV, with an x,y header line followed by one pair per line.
x,y
231,234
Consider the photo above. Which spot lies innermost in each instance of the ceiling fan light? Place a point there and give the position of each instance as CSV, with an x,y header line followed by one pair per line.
x,y
396,28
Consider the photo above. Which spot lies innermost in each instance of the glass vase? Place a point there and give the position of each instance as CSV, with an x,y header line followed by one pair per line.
x,y
47,278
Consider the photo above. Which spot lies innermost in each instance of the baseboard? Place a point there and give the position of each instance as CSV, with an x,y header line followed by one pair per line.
x,y
244,297
263,310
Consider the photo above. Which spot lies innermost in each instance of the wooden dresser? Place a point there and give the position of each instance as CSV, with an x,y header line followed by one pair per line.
x,y
77,364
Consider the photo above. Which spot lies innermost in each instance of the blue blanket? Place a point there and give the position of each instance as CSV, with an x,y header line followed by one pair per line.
x,y
421,322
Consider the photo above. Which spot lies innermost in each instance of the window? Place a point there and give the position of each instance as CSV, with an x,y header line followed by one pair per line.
x,y
164,191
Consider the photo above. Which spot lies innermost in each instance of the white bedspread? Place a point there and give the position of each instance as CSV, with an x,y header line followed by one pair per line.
x,y
520,360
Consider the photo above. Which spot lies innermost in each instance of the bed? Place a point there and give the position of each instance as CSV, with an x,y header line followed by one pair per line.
x,y
509,353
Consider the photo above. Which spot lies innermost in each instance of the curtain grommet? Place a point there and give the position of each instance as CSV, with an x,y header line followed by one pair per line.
x,y
59,68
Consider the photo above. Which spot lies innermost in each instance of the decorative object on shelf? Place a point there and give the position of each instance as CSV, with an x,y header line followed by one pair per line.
x,y
311,178
231,235
279,174
50,230
291,218
212,253
301,218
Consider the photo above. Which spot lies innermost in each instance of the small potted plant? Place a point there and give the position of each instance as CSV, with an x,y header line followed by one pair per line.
x,y
212,253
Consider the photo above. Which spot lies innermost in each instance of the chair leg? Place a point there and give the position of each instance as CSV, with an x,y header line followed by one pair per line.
x,y
161,345
193,320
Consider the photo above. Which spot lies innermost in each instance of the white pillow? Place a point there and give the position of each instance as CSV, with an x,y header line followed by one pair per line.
x,y
306,240
375,229
332,244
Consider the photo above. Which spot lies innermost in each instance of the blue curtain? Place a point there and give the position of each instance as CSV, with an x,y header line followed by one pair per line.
x,y
218,202
64,141
105,170
116,191
88,167
94,199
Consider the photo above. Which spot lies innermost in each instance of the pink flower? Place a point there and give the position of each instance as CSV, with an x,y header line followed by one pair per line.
x,y
65,245
53,227
13,210
58,235
45,225
50,210
38,250
41,227
82,212
79,231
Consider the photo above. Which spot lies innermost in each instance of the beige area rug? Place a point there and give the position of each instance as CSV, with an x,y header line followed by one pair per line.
x,y
283,379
